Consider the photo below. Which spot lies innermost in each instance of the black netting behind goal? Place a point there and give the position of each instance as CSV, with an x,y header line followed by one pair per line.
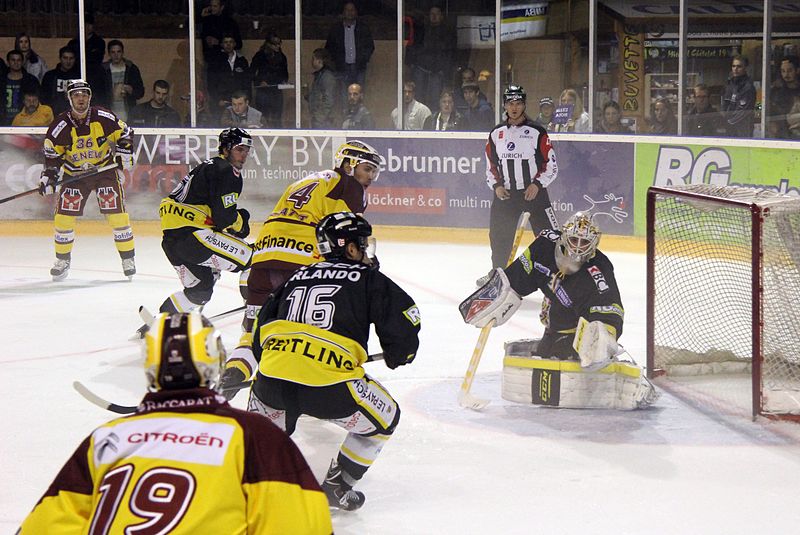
x,y
714,252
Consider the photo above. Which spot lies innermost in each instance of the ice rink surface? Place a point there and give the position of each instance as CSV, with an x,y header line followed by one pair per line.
x,y
682,467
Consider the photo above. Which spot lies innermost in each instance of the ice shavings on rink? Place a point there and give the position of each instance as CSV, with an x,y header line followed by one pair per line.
x,y
679,468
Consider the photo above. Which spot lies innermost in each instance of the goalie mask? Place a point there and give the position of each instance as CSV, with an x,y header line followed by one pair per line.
x,y
577,244
356,152
182,351
335,231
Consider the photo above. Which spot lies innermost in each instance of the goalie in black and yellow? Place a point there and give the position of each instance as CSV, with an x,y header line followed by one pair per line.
x,y
582,314
310,341
203,228
186,462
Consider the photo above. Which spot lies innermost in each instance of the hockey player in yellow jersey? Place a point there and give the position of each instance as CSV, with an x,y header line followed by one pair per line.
x,y
79,140
186,462
287,240
311,342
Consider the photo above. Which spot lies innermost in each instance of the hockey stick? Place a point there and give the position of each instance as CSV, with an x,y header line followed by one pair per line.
x,y
90,396
465,399
65,181
147,317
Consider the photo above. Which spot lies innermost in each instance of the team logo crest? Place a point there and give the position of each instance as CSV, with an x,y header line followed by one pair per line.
x,y
71,200
107,198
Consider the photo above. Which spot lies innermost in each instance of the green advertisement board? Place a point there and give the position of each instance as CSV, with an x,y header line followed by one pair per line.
x,y
658,164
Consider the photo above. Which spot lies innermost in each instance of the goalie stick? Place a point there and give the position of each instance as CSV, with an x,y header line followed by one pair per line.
x,y
90,396
465,399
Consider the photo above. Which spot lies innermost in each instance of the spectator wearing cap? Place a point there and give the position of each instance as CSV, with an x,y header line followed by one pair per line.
x,y
545,116
414,113
479,114
465,75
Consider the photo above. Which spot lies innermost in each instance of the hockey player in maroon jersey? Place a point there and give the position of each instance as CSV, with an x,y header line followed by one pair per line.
x,y
81,139
520,164
186,462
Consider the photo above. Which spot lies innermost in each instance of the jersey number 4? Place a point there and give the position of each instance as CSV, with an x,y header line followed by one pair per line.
x,y
302,196
160,497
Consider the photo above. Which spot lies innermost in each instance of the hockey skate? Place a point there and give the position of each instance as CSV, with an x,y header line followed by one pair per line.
x,y
340,495
128,267
60,269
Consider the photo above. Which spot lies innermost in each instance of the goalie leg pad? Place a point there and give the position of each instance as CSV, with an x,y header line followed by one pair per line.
x,y
558,383
495,300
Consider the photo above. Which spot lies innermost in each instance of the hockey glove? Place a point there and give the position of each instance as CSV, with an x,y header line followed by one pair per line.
x,y
243,226
48,182
231,379
124,155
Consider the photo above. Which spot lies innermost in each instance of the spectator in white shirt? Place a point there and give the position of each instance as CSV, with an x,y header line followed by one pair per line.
x,y
414,113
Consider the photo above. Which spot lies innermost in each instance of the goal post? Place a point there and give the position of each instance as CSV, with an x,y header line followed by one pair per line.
x,y
723,286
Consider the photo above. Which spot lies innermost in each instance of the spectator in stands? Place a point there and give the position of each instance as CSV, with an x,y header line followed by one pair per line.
x,y
358,116
782,97
663,121
739,100
54,83
414,113
447,118
579,120
324,93
240,114
203,115
270,68
34,64
124,79
546,109
95,51
703,119
215,23
351,46
793,119
155,112
95,44
466,75
33,112
17,81
228,72
431,56
479,114
611,121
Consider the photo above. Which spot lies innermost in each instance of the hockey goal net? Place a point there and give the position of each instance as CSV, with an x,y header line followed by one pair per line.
x,y
723,277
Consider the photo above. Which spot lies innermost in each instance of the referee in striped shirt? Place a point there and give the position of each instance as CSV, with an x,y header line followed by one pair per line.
x,y
520,164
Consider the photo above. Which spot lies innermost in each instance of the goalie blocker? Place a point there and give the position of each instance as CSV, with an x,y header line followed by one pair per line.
x,y
564,383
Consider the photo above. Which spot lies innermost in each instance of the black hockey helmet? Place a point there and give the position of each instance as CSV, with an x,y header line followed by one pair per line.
x,y
232,137
336,230
182,351
514,92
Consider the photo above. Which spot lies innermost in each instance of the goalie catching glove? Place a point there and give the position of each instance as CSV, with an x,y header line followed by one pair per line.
x,y
48,182
495,300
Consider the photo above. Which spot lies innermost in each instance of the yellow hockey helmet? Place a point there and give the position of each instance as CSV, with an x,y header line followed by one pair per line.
x,y
355,152
182,351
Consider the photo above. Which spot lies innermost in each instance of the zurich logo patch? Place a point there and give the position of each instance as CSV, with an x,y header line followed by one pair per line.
x,y
511,145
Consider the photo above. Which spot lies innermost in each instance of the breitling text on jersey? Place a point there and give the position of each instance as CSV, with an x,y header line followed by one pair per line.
x,y
307,348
